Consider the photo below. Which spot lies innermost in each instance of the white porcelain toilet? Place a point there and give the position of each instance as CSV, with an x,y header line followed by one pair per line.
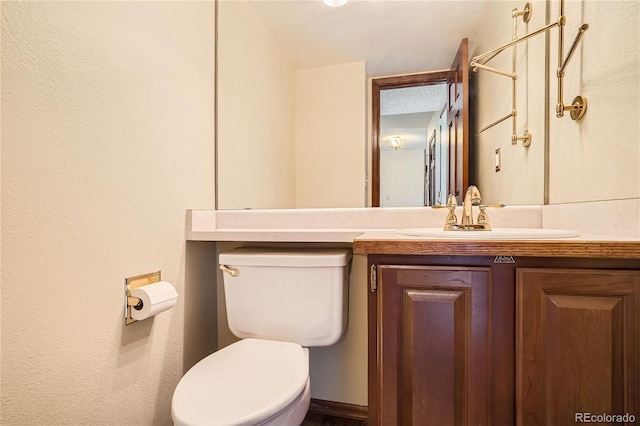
x,y
279,302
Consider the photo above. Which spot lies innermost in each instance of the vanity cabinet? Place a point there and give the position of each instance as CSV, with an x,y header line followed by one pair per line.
x,y
463,340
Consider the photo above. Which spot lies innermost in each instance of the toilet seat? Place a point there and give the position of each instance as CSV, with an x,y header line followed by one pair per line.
x,y
244,383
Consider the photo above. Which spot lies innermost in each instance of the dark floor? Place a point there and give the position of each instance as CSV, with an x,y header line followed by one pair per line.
x,y
314,419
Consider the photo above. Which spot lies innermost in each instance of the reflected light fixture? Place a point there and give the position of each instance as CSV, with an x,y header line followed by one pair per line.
x,y
395,142
334,3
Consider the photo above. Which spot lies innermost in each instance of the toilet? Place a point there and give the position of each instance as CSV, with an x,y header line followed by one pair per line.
x,y
279,302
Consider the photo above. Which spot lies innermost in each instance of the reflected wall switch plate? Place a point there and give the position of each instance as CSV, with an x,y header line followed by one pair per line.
x,y
498,160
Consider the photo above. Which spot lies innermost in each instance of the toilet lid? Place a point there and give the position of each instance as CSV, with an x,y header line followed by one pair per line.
x,y
244,383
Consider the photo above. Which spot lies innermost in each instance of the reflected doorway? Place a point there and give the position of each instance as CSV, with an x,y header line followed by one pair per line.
x,y
450,161
412,169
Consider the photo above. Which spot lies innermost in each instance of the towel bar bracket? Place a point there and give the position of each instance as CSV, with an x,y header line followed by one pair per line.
x,y
578,107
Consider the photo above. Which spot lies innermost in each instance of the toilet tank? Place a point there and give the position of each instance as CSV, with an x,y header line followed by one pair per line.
x,y
293,295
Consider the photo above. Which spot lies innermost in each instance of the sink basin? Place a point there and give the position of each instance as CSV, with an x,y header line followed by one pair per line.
x,y
495,234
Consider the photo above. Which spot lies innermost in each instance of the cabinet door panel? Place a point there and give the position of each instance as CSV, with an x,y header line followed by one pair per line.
x,y
434,345
577,344
592,324
433,332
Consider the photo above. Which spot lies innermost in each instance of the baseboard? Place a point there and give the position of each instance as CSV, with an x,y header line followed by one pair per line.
x,y
338,409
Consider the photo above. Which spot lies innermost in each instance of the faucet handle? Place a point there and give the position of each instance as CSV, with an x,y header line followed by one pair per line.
x,y
451,201
451,221
483,218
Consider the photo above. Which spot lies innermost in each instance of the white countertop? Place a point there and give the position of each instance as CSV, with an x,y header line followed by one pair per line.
x,y
616,220
330,225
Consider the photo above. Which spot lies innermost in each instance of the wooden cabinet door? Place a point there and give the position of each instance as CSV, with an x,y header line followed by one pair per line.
x,y
433,352
577,344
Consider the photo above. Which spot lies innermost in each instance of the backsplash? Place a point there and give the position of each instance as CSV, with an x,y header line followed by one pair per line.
x,y
355,218
615,217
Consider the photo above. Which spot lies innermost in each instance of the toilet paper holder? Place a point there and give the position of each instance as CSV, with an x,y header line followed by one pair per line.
x,y
131,302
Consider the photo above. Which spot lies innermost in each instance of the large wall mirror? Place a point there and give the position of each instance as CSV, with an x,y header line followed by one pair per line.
x,y
295,117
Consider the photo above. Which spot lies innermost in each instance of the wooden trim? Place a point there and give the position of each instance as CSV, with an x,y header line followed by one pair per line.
x,y
542,248
338,409
377,84
466,109
375,143
411,80
459,122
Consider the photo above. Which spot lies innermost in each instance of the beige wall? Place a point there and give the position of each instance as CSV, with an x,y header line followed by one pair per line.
x,y
330,136
286,138
107,131
256,84
597,158
339,372
402,178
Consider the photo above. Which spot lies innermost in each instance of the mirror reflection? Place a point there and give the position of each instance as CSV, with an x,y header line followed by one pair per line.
x,y
294,125
446,160
413,165
293,129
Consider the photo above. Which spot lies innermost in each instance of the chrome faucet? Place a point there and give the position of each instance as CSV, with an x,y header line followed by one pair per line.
x,y
471,198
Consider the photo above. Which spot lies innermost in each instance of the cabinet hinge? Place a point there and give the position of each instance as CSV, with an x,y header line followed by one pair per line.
x,y
373,279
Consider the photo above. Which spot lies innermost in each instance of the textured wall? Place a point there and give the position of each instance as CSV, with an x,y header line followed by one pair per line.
x,y
107,138
597,158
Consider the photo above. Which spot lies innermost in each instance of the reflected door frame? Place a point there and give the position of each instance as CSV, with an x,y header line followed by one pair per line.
x,y
458,122
396,82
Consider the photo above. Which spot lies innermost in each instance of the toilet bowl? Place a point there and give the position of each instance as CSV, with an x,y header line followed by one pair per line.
x,y
279,302
251,382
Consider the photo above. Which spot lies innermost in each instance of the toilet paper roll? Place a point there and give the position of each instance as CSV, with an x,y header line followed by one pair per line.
x,y
156,297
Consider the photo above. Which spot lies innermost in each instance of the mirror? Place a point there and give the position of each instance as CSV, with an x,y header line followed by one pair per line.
x,y
273,65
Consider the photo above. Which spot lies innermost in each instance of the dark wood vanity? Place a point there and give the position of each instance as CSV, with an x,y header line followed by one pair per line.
x,y
501,332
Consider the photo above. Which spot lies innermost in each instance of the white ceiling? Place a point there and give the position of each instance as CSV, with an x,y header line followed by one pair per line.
x,y
391,36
